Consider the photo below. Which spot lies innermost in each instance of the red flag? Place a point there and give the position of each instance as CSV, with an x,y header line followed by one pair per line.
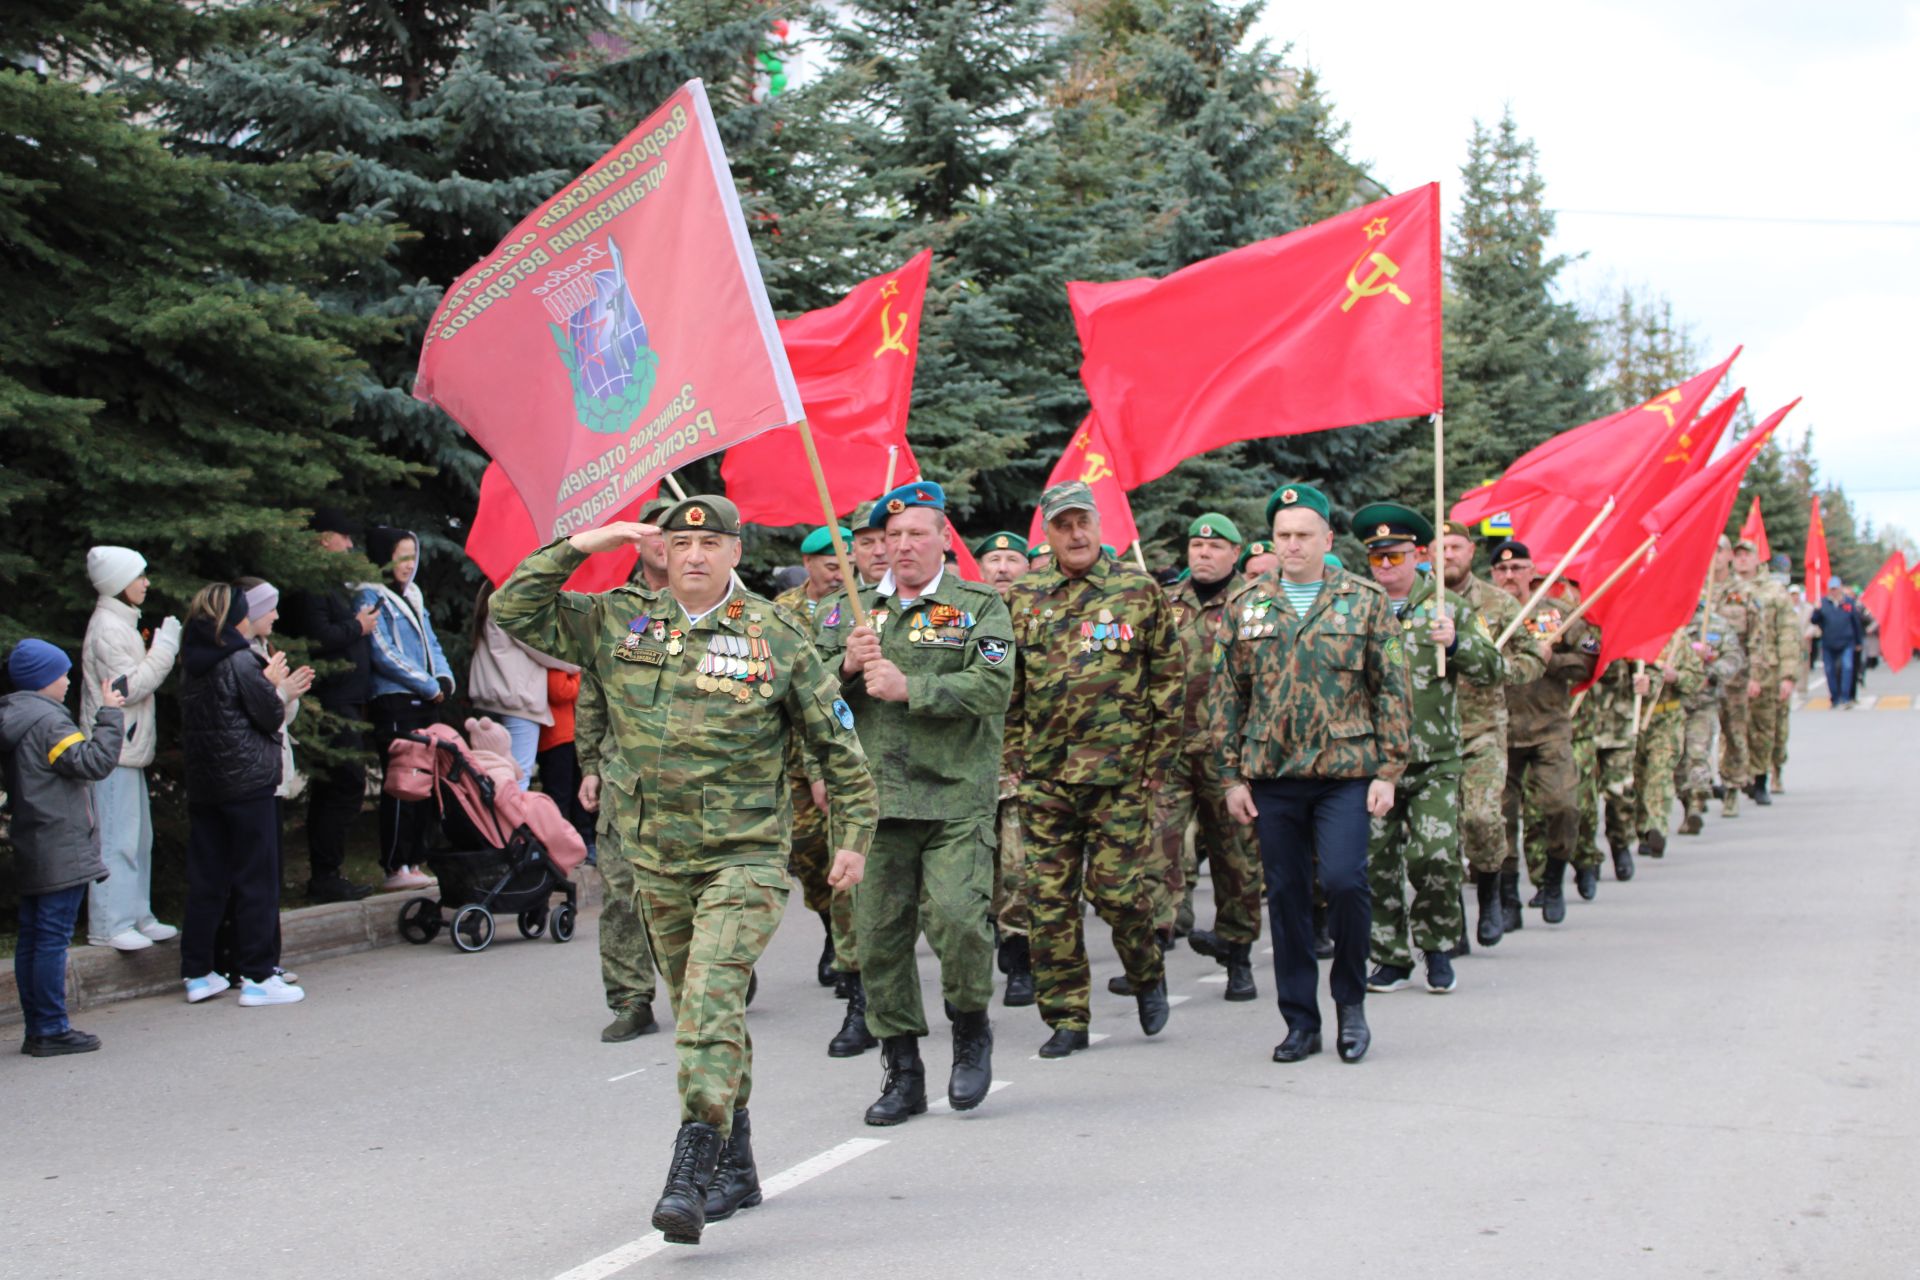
x,y
963,555
502,535
1815,570
619,332
1331,325
1890,598
1087,457
1755,531
1658,597
853,362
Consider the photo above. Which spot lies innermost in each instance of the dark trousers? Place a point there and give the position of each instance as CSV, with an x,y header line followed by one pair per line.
x,y
334,796
40,958
403,827
1299,819
233,861
559,768
226,957
1839,665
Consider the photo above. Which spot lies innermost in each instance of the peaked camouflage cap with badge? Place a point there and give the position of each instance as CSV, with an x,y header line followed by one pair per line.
x,y
1382,524
918,493
1003,540
702,513
1288,496
1211,524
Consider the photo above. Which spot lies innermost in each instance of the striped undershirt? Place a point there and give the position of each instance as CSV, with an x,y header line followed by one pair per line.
x,y
1301,595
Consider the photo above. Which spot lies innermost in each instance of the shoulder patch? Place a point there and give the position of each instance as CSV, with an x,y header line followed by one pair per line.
x,y
843,713
994,652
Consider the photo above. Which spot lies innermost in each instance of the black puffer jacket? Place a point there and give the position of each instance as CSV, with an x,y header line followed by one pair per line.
x,y
232,715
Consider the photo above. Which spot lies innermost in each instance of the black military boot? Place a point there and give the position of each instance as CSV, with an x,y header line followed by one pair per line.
x,y
824,971
1492,925
1694,820
1586,879
972,1060
1153,1006
1119,985
1623,860
904,1093
736,1182
1208,944
853,1038
1654,845
1016,961
1510,918
1761,795
1239,964
682,1210
1553,894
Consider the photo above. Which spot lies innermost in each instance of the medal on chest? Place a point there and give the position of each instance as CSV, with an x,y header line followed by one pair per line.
x,y
737,666
1257,620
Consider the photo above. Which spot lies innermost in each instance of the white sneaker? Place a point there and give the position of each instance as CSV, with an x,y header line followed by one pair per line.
x,y
206,988
125,940
405,878
157,932
272,991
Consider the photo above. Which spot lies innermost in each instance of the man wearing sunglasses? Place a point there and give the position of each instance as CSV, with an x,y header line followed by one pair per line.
x,y
1413,858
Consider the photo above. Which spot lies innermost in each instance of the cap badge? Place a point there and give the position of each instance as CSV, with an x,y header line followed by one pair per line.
x,y
1382,531
1206,531
1000,543
696,516
1289,495
895,507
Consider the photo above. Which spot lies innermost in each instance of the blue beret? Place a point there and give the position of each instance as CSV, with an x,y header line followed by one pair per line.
x,y
920,493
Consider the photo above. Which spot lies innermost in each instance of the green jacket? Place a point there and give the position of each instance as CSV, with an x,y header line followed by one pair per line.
x,y
1324,696
693,763
1474,660
936,755
1200,626
1541,710
1483,709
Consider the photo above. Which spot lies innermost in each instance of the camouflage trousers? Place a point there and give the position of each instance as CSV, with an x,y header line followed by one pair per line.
x,y
626,962
1483,834
1541,785
810,862
1693,777
1733,733
1780,734
1091,841
1655,763
1193,792
708,931
1413,864
1765,715
1010,870
936,876
1586,772
1609,791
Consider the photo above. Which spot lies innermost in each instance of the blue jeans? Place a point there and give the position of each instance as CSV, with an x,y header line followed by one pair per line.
x,y
1839,664
40,959
1304,822
525,735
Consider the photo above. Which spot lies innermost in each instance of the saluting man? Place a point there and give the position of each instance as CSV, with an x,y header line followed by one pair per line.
x,y
705,685
1004,560
1310,719
928,678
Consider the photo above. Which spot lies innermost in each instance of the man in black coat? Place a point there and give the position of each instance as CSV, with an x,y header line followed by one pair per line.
x,y
338,633
1842,632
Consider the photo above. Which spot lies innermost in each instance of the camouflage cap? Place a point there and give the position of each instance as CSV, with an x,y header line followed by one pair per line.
x,y
1004,540
1212,524
860,513
1511,549
1299,495
654,507
1380,524
918,493
1746,544
702,513
820,541
1074,495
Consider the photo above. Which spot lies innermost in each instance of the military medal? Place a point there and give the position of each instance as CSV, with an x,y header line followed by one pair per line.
x,y
1126,638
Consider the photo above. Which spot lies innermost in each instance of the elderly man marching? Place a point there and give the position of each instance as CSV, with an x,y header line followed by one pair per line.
x,y
1416,846
928,678
705,685
1310,719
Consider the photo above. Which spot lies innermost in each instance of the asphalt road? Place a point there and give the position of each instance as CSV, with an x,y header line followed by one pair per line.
x,y
1706,1072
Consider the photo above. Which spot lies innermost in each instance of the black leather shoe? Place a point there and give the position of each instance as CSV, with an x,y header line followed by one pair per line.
x,y
1389,977
1240,972
1587,881
972,1061
1153,1007
54,1046
1510,918
1623,862
336,889
1120,986
736,1182
1355,1036
1016,961
1491,928
1297,1047
1063,1041
853,1038
1208,944
904,1092
1553,897
681,1213
824,971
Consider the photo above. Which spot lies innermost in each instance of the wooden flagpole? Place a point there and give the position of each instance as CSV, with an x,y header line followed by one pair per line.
x,y
1602,589
1553,577
893,461
1439,525
1139,558
673,484
848,577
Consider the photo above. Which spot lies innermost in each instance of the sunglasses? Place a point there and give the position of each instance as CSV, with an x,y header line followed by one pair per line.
x,y
1381,559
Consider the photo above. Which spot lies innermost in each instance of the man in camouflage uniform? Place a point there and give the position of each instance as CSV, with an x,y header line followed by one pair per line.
x,y
1003,561
1735,601
1608,714
704,684
1483,741
1719,649
1541,782
1310,721
1092,732
1801,630
928,678
839,963
869,547
1667,684
1776,667
1413,855
1199,603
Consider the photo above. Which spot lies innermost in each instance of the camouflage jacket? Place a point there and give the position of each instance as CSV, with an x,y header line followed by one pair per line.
x,y
1324,696
1099,693
697,716
1541,710
1474,661
1608,709
936,755
794,600
1200,627
1783,628
1738,603
1720,645
1691,672
1483,708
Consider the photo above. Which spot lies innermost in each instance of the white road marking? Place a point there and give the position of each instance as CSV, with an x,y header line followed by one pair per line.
x,y
1217,978
1173,1000
615,1260
628,1075
941,1104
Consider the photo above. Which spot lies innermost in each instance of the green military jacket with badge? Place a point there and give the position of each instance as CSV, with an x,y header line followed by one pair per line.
x,y
936,755
1744,615
693,757
1099,695
1474,661
1324,696
1542,710
1691,674
1483,708
1199,625
1608,709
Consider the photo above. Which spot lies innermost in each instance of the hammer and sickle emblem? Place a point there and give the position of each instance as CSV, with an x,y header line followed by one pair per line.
x,y
892,337
1096,470
1684,453
1376,283
1659,404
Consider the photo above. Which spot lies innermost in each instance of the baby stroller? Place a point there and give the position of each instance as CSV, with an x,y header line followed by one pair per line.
x,y
511,849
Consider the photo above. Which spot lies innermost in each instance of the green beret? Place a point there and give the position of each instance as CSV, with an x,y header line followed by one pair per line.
x,y
1332,561
919,493
1383,523
820,541
1253,549
702,513
1004,540
1298,495
1214,525
1039,549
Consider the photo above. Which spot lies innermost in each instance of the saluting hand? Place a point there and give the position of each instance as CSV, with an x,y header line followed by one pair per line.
x,y
849,869
863,646
611,537
1240,804
885,681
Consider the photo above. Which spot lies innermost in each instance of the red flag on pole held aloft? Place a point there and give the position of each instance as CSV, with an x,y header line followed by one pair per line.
x,y
1088,457
620,331
1889,597
1755,531
853,362
1659,596
502,535
1815,570
963,555
1334,324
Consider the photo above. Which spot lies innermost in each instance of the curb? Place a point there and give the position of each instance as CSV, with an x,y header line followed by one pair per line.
x,y
101,975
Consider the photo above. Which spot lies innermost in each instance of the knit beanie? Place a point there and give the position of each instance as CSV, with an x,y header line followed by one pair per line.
x,y
262,600
114,569
35,664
